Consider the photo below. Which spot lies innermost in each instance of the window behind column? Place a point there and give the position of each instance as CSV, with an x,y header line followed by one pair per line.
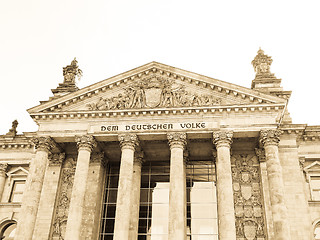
x,y
154,201
109,203
202,220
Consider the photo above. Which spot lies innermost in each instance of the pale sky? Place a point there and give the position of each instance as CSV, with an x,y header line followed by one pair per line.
x,y
218,39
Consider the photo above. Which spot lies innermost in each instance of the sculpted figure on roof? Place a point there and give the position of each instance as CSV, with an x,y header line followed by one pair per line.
x,y
70,72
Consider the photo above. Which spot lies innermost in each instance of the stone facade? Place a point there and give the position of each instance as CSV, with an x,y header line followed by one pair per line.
x,y
60,182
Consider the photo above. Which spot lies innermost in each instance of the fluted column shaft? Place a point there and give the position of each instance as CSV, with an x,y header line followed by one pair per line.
x,y
32,192
3,170
135,196
85,146
226,216
177,192
270,139
128,144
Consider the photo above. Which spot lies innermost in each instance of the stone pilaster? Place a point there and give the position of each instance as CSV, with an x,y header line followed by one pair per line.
x,y
85,144
48,196
3,170
135,195
128,144
32,192
270,139
265,189
227,230
177,193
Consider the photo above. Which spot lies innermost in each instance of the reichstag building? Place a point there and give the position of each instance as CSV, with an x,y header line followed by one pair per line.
x,y
161,153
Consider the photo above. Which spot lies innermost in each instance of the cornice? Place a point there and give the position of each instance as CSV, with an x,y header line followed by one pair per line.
x,y
158,111
162,69
15,145
303,132
20,141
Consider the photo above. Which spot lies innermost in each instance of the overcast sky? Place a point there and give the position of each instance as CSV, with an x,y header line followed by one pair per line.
x,y
218,39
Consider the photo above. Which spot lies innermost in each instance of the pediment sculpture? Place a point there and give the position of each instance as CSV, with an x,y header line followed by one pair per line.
x,y
154,92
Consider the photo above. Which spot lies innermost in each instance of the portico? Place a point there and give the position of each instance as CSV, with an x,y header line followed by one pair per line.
x,y
158,153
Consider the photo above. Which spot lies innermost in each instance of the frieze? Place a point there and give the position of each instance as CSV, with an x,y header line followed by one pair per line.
x,y
154,92
247,197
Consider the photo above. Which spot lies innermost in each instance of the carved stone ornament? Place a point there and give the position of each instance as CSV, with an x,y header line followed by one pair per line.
x,y
56,158
86,142
247,197
128,141
222,138
177,139
44,143
13,130
3,167
302,160
154,92
262,63
270,137
63,199
260,154
70,72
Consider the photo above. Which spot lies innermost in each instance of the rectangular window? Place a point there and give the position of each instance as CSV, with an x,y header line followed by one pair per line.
x,y
17,191
315,187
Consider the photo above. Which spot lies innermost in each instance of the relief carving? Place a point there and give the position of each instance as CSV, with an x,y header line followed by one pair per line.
x,y
152,92
247,197
63,200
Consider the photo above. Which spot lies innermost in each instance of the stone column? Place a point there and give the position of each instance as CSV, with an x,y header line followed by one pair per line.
x,y
128,144
270,139
85,145
226,217
49,191
177,192
32,192
3,170
135,196
93,197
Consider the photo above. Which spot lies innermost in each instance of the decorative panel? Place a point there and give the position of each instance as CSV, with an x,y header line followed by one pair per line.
x,y
250,221
63,199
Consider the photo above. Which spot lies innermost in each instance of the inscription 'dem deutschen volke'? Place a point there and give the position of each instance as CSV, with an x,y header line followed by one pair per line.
x,y
152,127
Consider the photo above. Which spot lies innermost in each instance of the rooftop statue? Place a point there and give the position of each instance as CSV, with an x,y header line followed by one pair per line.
x,y
13,130
70,72
262,63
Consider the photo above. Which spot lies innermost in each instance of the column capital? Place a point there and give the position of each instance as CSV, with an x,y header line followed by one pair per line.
x,y
86,142
3,168
138,158
260,154
177,139
128,141
56,159
44,144
222,138
99,158
270,137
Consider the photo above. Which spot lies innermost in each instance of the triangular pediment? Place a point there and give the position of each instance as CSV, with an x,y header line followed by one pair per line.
x,y
20,171
313,167
156,86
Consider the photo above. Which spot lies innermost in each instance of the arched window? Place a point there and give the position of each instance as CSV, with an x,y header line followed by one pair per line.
x,y
317,231
8,231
